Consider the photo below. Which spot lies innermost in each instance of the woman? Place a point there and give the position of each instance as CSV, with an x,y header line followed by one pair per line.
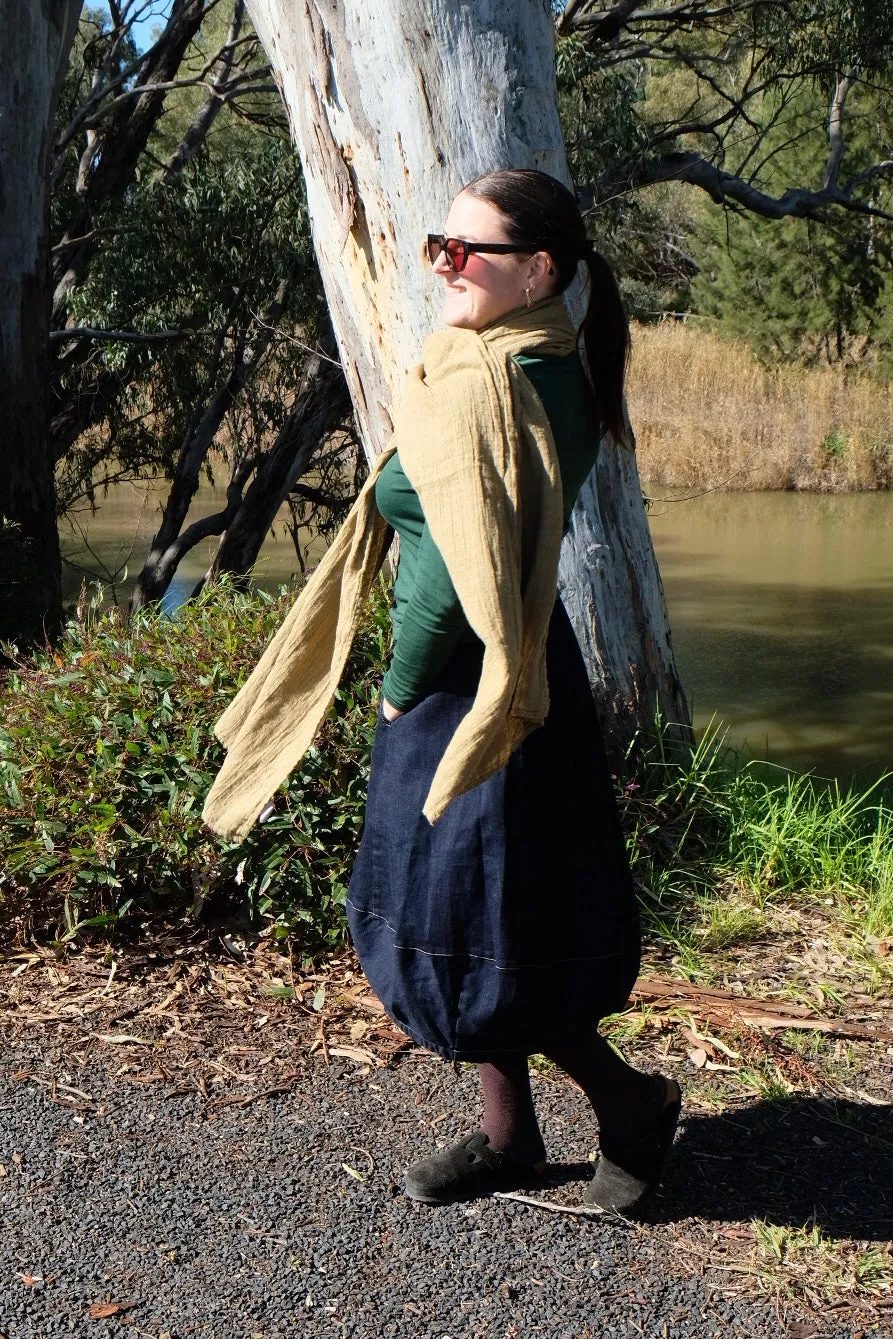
x,y
491,902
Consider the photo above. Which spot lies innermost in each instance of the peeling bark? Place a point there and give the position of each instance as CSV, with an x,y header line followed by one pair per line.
x,y
394,104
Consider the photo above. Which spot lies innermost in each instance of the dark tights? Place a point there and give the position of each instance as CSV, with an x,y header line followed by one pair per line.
x,y
624,1099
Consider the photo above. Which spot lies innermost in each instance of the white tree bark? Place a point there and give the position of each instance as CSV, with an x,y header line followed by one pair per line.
x,y
394,104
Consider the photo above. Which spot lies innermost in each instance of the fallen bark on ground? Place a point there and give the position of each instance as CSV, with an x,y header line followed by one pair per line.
x,y
724,1007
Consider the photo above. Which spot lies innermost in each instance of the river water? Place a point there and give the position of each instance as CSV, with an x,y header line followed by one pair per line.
x,y
782,618
780,605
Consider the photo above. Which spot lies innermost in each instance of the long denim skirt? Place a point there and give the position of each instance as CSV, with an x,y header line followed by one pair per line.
x,y
510,925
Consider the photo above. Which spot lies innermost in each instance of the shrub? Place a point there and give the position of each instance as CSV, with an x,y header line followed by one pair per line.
x,y
107,753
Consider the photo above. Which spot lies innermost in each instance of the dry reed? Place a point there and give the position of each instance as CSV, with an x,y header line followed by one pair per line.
x,y
708,415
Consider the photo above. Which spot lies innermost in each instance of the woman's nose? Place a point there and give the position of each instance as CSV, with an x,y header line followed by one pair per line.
x,y
441,265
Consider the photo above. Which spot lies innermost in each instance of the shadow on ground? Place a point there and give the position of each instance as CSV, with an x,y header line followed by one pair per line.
x,y
790,1161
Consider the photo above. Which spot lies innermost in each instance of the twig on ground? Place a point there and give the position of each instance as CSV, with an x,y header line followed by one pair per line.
x,y
578,1210
286,1086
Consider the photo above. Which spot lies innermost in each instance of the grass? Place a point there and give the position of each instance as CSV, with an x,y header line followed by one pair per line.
x,y
707,414
804,1262
719,848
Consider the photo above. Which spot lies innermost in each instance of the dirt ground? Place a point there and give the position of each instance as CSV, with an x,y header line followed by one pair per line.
x,y
781,1185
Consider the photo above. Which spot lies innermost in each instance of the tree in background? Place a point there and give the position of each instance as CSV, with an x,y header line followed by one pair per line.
x,y
720,81
190,323
798,288
36,41
644,233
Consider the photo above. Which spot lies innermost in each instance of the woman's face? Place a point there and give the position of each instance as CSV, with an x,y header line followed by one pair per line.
x,y
490,286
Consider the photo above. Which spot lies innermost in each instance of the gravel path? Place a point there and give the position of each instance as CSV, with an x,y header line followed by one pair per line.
x,y
245,1222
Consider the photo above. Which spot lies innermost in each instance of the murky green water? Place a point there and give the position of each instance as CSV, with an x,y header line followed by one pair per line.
x,y
116,539
781,606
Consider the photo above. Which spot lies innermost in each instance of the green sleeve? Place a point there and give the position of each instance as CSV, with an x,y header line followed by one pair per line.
x,y
431,627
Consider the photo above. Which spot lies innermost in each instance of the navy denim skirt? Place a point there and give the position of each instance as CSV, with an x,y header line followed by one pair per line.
x,y
510,925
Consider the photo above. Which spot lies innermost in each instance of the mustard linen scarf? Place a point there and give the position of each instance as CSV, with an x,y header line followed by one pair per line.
x,y
475,443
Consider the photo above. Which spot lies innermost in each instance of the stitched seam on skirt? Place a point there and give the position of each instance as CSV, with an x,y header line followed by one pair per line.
x,y
481,957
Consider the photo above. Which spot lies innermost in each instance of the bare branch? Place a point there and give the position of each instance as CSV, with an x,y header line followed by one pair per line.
x,y
83,332
570,16
835,131
602,27
725,188
219,92
882,169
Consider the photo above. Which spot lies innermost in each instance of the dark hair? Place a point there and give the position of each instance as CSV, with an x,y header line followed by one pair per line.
x,y
542,212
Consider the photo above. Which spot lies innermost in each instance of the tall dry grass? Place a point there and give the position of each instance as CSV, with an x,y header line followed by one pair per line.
x,y
708,415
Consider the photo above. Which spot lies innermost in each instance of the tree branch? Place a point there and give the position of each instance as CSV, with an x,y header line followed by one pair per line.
x,y
207,114
84,332
725,188
835,131
601,27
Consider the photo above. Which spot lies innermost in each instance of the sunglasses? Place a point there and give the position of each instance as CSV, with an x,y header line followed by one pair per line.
x,y
457,250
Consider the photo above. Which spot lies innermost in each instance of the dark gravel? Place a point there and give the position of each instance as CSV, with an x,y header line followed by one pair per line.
x,y
244,1223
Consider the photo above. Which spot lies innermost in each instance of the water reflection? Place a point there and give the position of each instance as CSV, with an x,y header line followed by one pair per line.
x,y
115,541
783,623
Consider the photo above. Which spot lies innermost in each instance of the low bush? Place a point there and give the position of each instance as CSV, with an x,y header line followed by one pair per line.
x,y
107,754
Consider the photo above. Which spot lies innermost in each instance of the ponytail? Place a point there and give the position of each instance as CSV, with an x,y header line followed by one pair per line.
x,y
605,332
542,213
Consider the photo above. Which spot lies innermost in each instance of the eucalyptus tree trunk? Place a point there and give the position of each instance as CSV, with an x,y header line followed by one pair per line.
x,y
394,104
36,41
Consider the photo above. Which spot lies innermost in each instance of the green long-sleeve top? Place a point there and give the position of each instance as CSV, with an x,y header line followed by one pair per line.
x,y
427,617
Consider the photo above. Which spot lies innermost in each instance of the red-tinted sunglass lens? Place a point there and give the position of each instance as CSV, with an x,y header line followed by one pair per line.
x,y
454,250
456,253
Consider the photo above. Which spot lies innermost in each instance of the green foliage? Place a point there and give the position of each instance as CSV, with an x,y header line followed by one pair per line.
x,y
825,36
835,444
714,841
643,237
799,288
107,753
203,253
598,108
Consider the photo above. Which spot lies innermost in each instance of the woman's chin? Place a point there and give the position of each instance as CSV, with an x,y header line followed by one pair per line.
x,y
457,312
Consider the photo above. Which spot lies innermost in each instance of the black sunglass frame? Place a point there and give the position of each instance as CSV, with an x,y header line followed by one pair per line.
x,y
437,245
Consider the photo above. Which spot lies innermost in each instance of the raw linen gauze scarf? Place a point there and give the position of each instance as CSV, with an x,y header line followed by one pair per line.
x,y
475,443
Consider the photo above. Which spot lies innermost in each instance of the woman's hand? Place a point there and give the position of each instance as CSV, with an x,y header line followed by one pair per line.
x,y
390,713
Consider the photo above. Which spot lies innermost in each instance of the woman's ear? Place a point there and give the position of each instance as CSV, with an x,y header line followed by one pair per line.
x,y
540,266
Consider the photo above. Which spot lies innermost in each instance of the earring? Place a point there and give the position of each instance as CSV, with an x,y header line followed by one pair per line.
x,y
527,293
